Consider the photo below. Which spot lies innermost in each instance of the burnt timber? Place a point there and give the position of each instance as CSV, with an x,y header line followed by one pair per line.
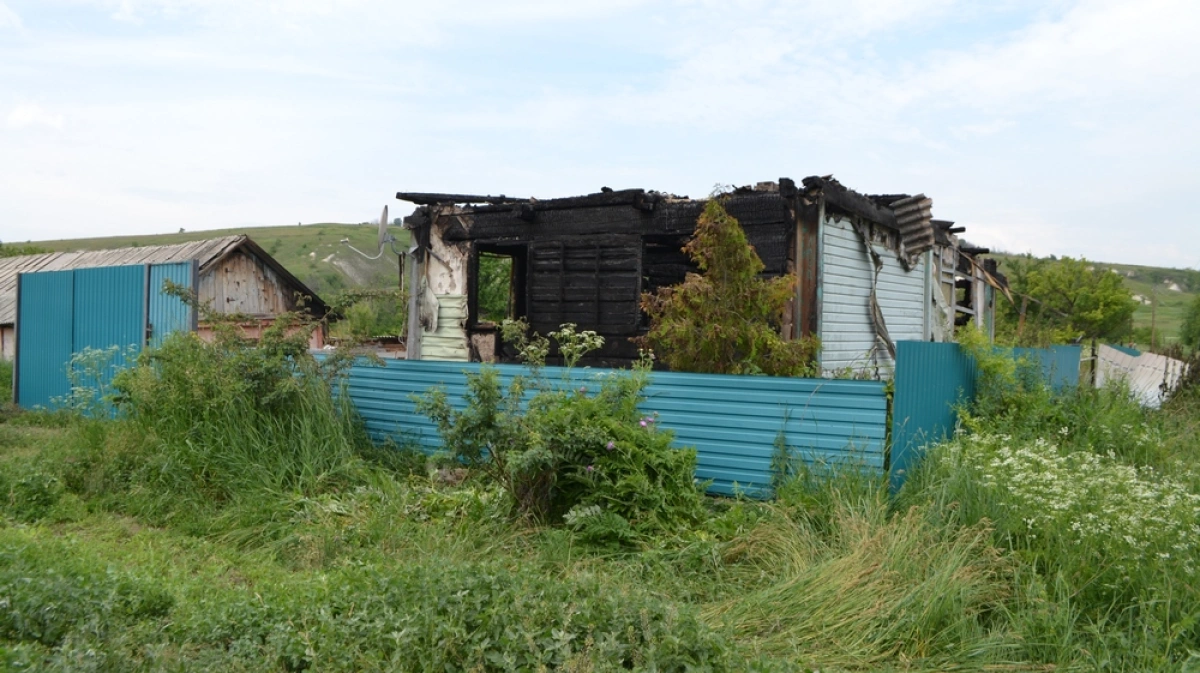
x,y
588,259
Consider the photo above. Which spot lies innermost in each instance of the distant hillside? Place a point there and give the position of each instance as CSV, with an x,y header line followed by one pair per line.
x,y
312,252
1172,289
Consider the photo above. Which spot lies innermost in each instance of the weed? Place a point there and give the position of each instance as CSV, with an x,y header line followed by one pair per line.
x,y
588,456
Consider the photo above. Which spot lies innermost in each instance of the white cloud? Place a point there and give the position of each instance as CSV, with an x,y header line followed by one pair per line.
x,y
126,14
9,18
25,115
1095,51
225,111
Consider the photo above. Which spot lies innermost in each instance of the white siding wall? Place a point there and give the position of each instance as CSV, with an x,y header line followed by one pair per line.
x,y
8,342
847,337
449,342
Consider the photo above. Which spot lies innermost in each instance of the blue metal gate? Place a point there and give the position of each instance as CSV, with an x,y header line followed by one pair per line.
x,y
62,313
167,312
45,334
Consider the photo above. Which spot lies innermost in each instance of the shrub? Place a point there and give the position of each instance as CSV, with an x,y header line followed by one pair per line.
x,y
367,314
29,494
6,381
205,425
726,319
589,455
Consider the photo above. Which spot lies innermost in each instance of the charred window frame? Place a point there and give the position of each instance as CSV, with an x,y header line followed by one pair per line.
x,y
486,260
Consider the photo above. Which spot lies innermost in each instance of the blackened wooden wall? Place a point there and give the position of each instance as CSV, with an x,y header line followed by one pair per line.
x,y
590,265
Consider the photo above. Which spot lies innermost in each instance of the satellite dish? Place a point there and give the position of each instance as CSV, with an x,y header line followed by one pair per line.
x,y
383,239
383,233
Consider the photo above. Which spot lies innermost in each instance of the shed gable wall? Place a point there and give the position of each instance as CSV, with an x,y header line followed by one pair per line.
x,y
242,283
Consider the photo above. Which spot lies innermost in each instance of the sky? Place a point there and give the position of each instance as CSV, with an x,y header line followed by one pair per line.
x,y
1051,127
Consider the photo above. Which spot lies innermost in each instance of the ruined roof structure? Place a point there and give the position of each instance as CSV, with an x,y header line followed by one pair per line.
x,y
588,259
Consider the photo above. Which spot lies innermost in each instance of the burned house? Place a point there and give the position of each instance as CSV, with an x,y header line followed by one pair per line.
x,y
872,270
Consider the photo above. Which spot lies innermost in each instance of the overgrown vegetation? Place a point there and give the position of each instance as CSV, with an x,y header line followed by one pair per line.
x,y
1095,500
1189,333
725,320
495,287
233,517
587,457
369,314
6,382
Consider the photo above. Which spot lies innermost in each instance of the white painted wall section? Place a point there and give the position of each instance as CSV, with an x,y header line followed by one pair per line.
x,y
847,336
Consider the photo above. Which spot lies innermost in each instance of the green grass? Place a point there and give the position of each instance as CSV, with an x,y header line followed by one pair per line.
x,y
1167,317
233,519
305,251
6,381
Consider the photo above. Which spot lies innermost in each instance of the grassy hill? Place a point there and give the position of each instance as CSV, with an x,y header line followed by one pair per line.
x,y
1171,303
1173,290
313,252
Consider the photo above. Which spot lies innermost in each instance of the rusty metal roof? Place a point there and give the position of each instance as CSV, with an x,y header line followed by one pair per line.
x,y
206,253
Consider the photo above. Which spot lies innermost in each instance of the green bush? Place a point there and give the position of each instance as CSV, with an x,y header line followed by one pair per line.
x,y
726,319
369,314
495,287
587,455
29,494
205,426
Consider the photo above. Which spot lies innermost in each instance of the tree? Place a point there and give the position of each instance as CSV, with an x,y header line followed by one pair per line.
x,y
1068,299
725,320
1190,333
11,250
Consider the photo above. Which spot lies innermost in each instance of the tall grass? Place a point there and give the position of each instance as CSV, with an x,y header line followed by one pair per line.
x,y
1060,534
219,434
836,579
6,382
1096,501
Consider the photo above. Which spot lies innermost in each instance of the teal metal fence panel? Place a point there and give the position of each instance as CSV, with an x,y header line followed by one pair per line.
x,y
734,422
44,330
1059,364
169,313
930,379
62,313
110,314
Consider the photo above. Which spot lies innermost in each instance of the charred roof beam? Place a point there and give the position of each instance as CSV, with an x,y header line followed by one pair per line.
x,y
434,198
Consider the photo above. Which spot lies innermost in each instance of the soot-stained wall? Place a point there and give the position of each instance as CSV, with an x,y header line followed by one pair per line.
x,y
589,264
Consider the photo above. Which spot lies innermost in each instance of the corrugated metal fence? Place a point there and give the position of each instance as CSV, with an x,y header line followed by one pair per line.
x,y
61,313
734,422
1149,376
932,378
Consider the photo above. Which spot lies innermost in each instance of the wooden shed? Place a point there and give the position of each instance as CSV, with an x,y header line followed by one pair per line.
x,y
234,276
